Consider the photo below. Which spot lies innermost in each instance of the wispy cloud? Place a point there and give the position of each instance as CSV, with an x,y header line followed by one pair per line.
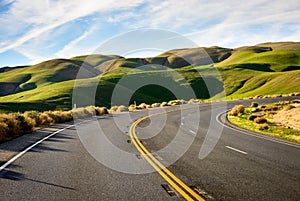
x,y
73,48
225,23
42,16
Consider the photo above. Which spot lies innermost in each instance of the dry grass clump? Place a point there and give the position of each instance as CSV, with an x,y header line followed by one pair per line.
x,y
63,116
236,110
101,110
155,105
254,104
193,101
252,117
122,108
183,101
143,106
263,127
26,124
84,112
45,119
34,115
132,107
258,96
16,124
9,125
163,104
4,131
260,120
113,109
174,102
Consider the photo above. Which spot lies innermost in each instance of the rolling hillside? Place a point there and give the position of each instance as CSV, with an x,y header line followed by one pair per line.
x,y
263,69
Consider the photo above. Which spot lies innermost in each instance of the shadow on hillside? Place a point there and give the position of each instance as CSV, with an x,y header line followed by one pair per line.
x,y
24,106
254,66
207,87
290,68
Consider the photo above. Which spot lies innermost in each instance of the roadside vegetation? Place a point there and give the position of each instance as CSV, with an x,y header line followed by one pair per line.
x,y
280,119
16,124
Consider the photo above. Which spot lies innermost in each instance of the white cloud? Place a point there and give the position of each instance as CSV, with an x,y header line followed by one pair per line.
x,y
224,23
31,54
46,15
6,2
72,48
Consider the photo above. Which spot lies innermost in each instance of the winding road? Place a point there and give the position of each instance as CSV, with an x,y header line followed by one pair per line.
x,y
186,159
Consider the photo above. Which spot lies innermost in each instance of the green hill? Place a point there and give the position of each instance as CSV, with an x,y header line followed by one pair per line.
x,y
263,69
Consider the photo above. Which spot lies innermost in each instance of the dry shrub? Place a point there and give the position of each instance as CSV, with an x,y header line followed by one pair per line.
x,y
26,123
236,110
113,109
132,107
183,101
254,104
174,102
101,110
192,101
263,127
155,105
16,123
90,111
122,108
4,132
163,104
258,96
46,119
143,106
260,120
62,116
12,124
252,117
33,115
83,112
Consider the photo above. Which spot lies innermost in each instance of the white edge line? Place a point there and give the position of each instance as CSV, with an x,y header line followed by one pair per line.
x,y
237,150
254,135
33,145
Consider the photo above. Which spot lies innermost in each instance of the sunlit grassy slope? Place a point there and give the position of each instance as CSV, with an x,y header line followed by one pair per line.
x,y
264,69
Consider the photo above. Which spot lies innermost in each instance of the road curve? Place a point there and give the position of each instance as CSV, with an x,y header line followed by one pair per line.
x,y
240,167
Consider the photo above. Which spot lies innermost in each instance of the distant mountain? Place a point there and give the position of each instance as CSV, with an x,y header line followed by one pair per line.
x,y
263,69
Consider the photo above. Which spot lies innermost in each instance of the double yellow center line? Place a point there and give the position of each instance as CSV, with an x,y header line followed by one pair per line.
x,y
174,181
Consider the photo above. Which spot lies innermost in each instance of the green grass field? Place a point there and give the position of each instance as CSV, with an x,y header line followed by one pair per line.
x,y
264,69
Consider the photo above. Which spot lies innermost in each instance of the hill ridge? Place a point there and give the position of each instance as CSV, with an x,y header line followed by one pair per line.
x,y
246,71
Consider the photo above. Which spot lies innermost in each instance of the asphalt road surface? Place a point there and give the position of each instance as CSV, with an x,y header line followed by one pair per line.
x,y
82,162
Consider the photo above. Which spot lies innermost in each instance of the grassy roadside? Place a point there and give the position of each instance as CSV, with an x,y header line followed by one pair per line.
x,y
265,119
15,124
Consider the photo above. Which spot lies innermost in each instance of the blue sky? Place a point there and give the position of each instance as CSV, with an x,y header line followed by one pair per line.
x,y
36,30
